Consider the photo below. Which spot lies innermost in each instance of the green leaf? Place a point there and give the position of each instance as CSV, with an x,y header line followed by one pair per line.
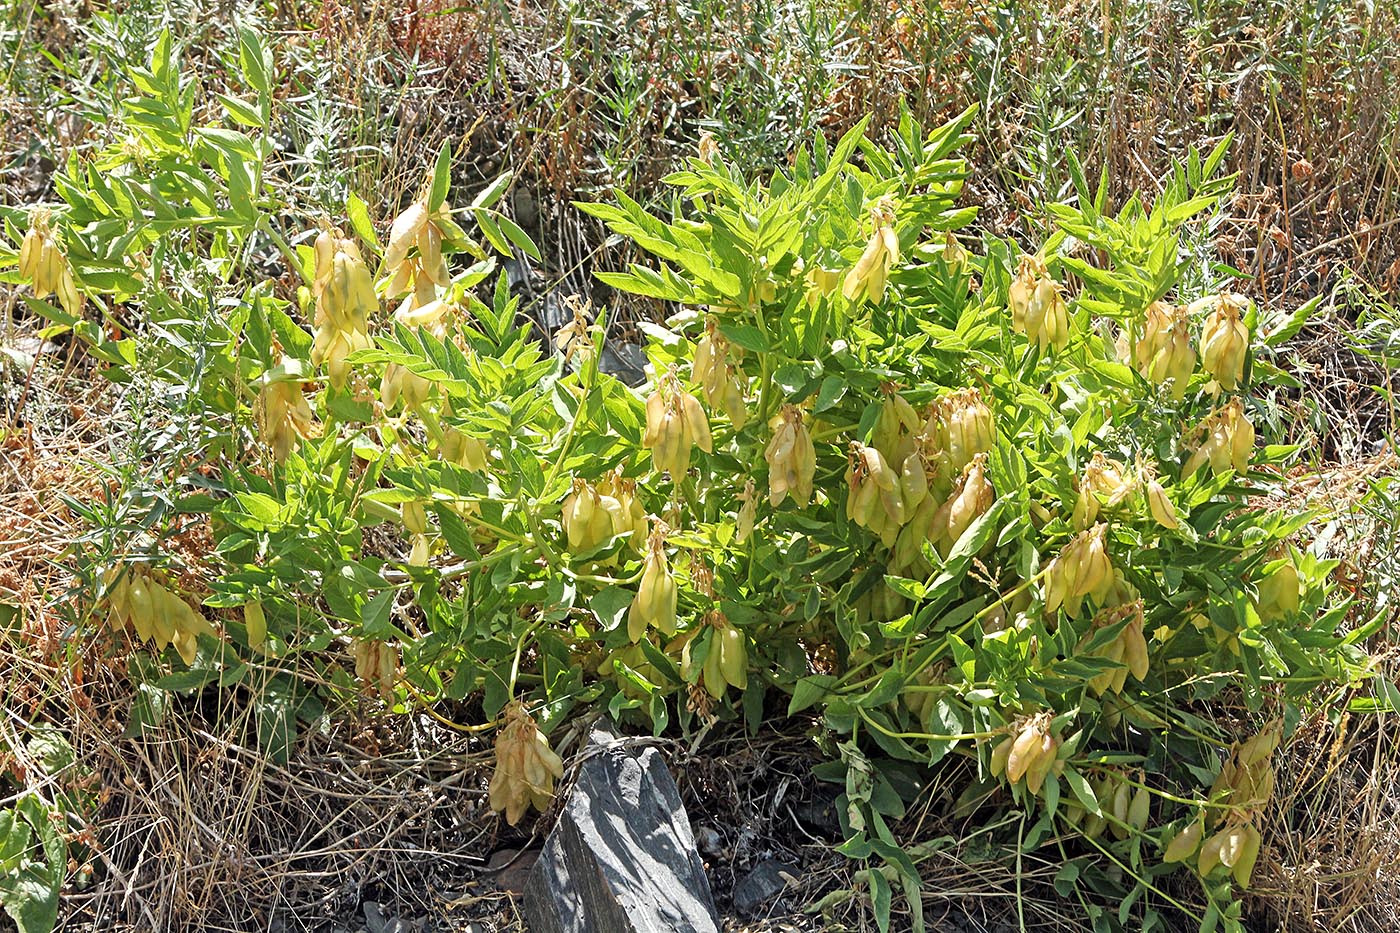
x,y
809,691
610,606
1080,786
442,177
374,618
241,111
519,237
1295,323
880,899
492,231
254,60
492,192
358,213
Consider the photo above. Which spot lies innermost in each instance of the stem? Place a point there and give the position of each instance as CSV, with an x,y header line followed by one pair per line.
x,y
287,252
924,735
568,442
424,701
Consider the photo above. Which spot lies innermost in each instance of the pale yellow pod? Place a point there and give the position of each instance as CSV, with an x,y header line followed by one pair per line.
x,y
415,517
714,667
734,662
420,551
1160,506
1044,761
1140,810
913,481
1243,869
256,622
388,669
29,250
403,234
1023,753
1185,843
696,422
1001,756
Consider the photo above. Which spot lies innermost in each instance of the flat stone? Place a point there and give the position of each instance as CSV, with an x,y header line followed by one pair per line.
x,y
622,857
764,881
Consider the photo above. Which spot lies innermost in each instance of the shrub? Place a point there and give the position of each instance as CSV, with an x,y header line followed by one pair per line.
x,y
997,514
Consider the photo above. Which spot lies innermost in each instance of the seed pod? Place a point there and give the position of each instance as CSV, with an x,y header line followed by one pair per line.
x,y
822,283
29,250
1140,809
1001,755
1224,340
1044,761
1037,305
142,606
654,606
734,663
675,423
744,519
792,459
895,427
1248,854
419,551
866,280
163,610
1135,647
1119,807
345,298
972,496
1027,748
1160,507
404,234
1164,355
401,383
415,517
913,481
1184,844
256,622
465,451
526,767
1086,507
281,411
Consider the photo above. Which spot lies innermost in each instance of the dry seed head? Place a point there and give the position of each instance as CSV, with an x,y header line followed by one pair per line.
x,y
575,338
707,150
744,520
526,767
283,416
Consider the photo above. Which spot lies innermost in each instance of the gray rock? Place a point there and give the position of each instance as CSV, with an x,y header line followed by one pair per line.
x,y
763,882
625,361
622,858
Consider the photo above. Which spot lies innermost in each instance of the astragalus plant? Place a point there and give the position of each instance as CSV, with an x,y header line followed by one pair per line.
x,y
1008,512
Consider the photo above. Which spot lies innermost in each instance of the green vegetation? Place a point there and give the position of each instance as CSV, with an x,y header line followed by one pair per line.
x,y
1012,446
